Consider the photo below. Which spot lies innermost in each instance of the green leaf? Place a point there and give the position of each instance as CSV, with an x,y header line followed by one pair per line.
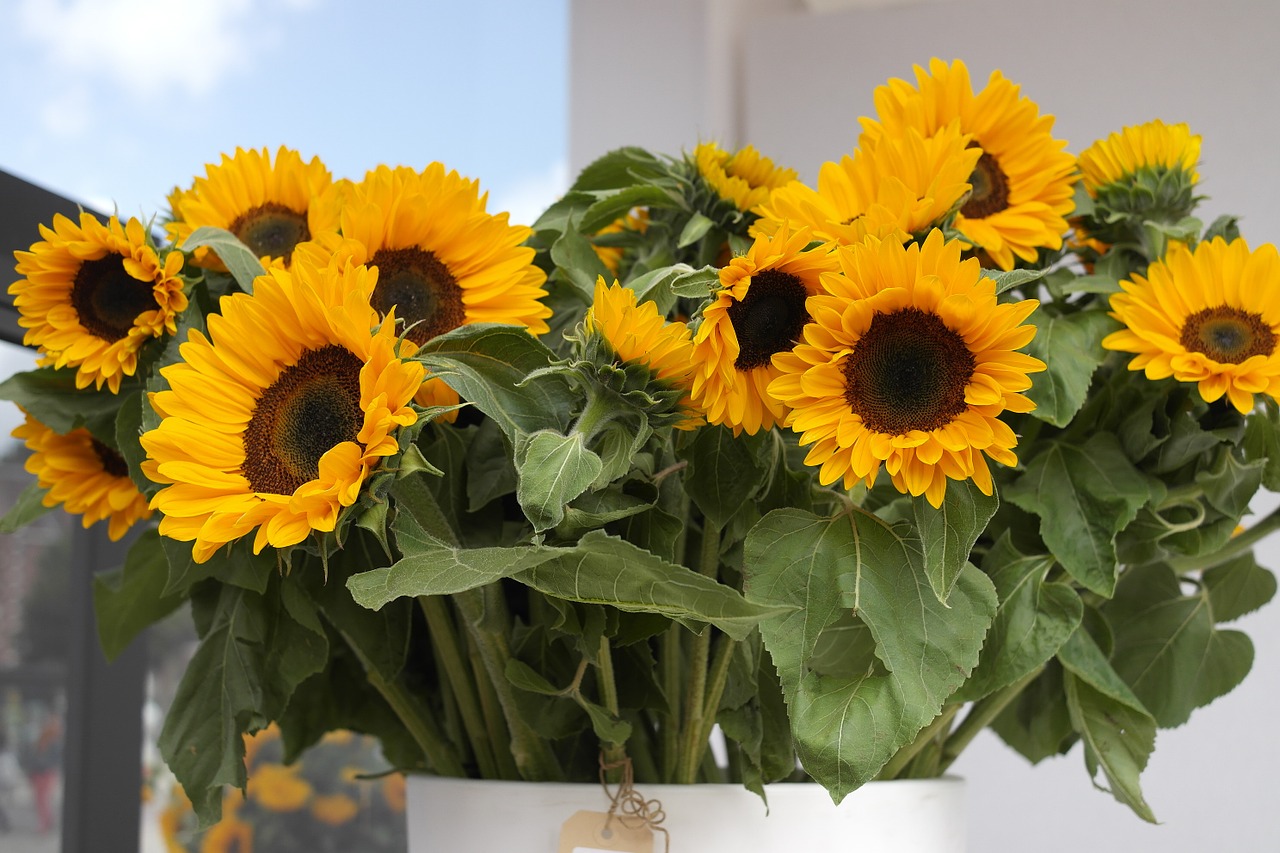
x,y
51,397
603,569
1012,278
1038,723
297,647
1230,485
847,726
621,167
128,599
724,472
618,203
525,677
1071,346
239,259
694,230
1092,284
487,364
1034,619
128,431
553,469
233,563
1237,587
947,533
1084,496
433,567
1262,441
1167,648
577,262
27,508
490,472
1118,733
663,285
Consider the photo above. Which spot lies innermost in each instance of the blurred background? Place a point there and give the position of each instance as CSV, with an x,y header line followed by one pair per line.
x,y
111,103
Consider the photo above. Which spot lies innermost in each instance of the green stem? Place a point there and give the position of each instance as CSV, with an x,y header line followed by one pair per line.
x,y
716,682
613,752
480,610
495,722
691,748
444,638
1234,546
597,412
671,685
420,723
905,755
981,715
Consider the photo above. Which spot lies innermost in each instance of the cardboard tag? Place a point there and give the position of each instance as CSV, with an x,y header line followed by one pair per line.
x,y
586,832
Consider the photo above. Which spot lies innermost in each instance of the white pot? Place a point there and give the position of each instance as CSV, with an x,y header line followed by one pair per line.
x,y
907,816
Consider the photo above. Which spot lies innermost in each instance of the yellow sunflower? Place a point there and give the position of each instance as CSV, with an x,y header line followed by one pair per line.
x,y
759,311
334,809
443,261
94,294
278,788
641,335
909,362
228,835
271,207
274,420
636,220
84,475
743,178
894,187
1209,315
1022,186
1154,145
393,791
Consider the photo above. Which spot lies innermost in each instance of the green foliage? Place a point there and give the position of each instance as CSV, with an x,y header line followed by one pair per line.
x,y
27,508
1071,346
129,599
242,263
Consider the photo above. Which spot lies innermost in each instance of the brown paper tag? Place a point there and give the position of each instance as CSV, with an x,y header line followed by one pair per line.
x,y
594,832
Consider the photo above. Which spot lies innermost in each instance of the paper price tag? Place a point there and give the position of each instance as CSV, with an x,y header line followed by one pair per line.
x,y
593,832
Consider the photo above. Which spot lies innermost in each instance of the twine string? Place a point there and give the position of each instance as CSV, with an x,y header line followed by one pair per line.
x,y
626,804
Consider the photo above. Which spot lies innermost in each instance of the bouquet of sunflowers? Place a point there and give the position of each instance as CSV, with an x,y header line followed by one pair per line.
x,y
519,500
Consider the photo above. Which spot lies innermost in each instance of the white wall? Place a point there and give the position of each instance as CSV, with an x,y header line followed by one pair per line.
x,y
793,83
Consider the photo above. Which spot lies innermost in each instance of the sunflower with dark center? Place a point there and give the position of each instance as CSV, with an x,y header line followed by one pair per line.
x,y
1023,181
895,187
908,363
275,420
93,295
759,311
84,475
1209,315
442,261
271,207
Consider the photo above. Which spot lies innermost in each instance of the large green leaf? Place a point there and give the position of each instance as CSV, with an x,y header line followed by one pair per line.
x,y
603,569
553,469
233,563
1084,496
1167,648
128,430
1071,346
50,396
128,599
1237,587
947,533
239,259
724,472
1118,733
487,364
1038,723
1034,619
847,726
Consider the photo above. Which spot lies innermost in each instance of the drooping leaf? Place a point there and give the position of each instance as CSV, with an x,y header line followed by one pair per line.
x,y
1237,587
947,533
553,469
1071,346
1037,723
128,599
50,396
846,726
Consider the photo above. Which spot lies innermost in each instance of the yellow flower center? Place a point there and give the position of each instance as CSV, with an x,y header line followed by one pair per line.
x,y
908,371
1226,334
113,463
990,192
271,230
770,319
421,289
107,299
311,408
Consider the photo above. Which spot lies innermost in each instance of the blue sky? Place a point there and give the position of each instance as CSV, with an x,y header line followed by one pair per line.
x,y
114,102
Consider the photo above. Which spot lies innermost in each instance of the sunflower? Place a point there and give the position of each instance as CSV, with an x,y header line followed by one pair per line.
x,y
393,791
758,311
84,475
94,294
334,809
228,835
635,222
908,362
443,261
1209,315
1153,146
1022,186
278,788
271,207
276,418
639,334
743,178
896,187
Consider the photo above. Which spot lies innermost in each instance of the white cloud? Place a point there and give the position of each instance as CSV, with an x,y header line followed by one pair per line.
x,y
143,46
530,196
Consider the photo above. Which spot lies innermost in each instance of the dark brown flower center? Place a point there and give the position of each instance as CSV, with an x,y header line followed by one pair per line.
x,y
113,463
990,192
424,293
271,230
907,372
107,299
1227,334
311,408
770,319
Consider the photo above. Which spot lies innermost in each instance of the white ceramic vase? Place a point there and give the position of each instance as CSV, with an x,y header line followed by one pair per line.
x,y
908,816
